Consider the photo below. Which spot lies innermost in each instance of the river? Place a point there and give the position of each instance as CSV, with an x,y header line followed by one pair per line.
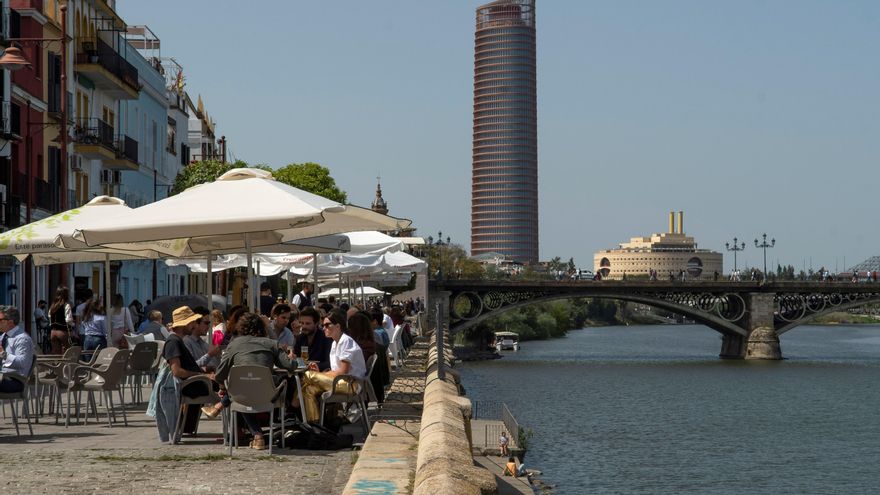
x,y
651,409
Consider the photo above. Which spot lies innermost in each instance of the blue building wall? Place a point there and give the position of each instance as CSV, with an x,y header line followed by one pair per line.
x,y
145,120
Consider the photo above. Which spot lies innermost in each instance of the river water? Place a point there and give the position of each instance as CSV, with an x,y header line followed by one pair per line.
x,y
651,409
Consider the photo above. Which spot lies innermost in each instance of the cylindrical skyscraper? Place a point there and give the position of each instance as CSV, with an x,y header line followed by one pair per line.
x,y
504,188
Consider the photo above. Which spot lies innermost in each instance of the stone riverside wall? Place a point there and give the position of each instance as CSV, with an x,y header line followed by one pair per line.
x,y
445,465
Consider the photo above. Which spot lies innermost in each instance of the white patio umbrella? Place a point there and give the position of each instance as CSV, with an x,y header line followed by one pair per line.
x,y
37,240
243,209
367,291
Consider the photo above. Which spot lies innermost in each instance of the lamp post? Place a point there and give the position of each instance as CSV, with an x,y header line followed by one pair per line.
x,y
439,246
764,245
736,247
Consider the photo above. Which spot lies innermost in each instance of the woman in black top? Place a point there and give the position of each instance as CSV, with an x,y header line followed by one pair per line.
x,y
60,321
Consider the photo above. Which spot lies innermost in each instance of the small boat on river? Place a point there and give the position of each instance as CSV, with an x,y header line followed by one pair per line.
x,y
506,341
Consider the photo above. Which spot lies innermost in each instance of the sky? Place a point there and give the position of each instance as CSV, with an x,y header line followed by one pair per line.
x,y
753,116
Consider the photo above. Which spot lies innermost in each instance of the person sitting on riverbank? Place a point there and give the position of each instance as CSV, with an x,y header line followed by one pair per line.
x,y
511,469
502,443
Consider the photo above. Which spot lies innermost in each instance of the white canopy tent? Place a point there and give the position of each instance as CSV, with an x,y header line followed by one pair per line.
x,y
366,291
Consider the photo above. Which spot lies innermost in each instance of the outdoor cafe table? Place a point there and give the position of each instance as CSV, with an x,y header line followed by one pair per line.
x,y
297,373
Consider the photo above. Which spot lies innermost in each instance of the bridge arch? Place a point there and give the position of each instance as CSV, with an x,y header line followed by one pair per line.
x,y
843,306
714,322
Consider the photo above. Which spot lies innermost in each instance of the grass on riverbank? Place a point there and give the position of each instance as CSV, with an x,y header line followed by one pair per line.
x,y
843,318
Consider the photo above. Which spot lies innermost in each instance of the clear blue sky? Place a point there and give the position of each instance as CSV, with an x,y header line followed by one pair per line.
x,y
750,116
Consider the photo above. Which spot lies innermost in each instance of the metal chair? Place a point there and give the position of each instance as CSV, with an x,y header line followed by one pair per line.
x,y
352,396
23,396
210,398
253,390
140,364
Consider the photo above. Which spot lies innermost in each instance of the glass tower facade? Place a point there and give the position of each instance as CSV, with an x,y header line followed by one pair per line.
x,y
504,188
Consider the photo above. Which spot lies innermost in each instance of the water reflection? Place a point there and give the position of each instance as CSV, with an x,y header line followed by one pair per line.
x,y
651,409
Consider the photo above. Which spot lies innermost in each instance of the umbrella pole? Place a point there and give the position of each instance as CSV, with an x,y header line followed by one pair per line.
x,y
107,290
289,287
363,296
315,272
250,273
350,300
340,287
210,287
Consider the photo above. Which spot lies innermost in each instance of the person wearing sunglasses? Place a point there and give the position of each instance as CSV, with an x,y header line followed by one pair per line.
x,y
346,358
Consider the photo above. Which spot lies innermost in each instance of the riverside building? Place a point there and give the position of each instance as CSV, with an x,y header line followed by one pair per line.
x,y
672,251
504,188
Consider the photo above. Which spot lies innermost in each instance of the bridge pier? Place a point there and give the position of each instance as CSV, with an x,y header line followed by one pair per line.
x,y
762,341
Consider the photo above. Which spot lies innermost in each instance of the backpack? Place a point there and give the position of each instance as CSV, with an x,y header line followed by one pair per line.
x,y
316,437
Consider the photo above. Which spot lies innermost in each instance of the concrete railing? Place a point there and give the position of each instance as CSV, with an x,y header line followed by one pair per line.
x,y
445,465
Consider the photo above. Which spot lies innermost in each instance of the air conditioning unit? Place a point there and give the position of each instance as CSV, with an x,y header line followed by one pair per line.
x,y
106,177
75,162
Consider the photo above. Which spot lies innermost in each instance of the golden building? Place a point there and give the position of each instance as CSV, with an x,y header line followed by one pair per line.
x,y
672,252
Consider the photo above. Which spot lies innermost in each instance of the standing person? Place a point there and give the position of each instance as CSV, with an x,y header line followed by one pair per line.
x,y
120,322
94,328
304,297
81,307
41,319
266,299
60,321
16,350
346,358
502,444
313,338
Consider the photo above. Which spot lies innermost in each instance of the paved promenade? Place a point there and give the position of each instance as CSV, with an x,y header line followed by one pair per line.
x,y
92,458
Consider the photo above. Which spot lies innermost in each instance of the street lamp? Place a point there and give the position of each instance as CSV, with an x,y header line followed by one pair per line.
x,y
765,245
736,247
439,243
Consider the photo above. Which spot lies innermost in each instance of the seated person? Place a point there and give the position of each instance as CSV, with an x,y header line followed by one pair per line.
x,y
281,314
346,358
510,469
207,357
312,337
251,347
153,325
16,350
181,365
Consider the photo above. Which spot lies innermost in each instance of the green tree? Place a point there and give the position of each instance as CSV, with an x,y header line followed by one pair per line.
x,y
200,172
313,178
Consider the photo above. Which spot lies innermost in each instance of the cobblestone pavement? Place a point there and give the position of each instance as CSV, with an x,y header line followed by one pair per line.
x,y
92,458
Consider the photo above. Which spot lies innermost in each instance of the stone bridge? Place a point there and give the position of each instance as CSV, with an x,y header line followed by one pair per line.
x,y
750,316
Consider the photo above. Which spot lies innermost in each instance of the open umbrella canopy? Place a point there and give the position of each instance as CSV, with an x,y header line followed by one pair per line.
x,y
243,206
367,291
38,239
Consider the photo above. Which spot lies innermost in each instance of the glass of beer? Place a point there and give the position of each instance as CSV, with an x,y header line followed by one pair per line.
x,y
304,353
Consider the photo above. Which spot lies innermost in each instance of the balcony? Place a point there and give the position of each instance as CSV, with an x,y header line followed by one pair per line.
x,y
108,70
126,154
94,138
46,196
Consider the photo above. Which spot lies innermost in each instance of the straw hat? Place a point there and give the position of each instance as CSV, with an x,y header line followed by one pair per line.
x,y
183,316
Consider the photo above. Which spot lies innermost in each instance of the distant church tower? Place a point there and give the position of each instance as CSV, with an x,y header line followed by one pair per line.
x,y
379,204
